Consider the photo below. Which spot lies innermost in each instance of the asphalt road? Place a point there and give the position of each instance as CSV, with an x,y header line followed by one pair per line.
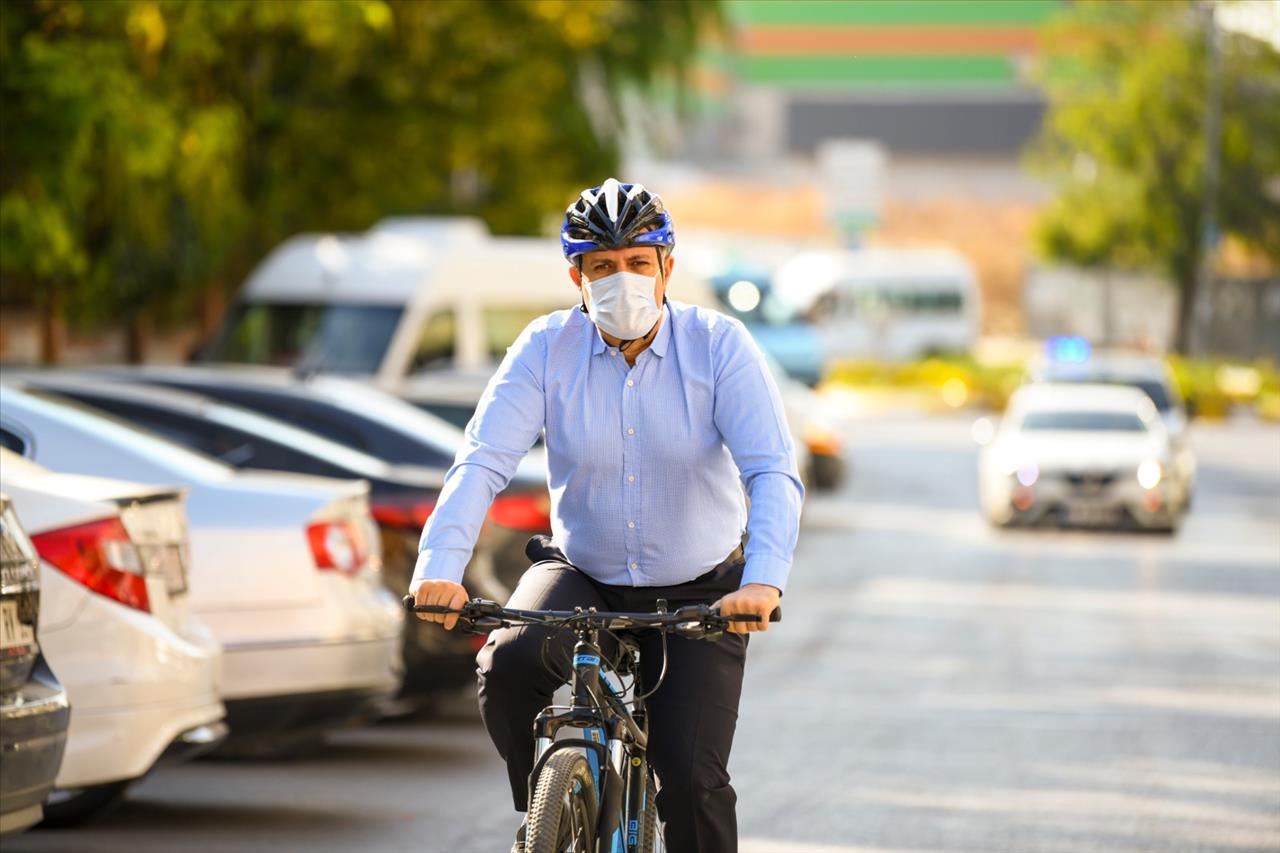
x,y
936,685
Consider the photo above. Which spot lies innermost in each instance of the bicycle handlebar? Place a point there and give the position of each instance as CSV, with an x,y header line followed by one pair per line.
x,y
481,615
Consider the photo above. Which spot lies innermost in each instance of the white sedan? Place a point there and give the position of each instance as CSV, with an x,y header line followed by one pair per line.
x,y
140,669
1081,455
285,570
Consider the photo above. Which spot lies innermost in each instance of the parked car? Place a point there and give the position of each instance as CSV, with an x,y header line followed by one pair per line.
x,y
1070,360
284,570
34,712
402,496
368,419
1080,454
141,670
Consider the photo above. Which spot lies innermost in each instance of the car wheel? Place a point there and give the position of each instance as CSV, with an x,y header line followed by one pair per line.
x,y
77,806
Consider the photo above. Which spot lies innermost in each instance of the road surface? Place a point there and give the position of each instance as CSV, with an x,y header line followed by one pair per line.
x,y
936,685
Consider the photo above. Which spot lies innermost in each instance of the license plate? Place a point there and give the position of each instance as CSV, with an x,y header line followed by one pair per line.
x,y
1090,513
13,632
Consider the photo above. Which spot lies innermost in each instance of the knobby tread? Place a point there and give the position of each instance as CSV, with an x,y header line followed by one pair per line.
x,y
647,841
546,812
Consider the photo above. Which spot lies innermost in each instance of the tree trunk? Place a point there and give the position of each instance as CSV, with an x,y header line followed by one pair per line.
x,y
53,329
1187,279
137,334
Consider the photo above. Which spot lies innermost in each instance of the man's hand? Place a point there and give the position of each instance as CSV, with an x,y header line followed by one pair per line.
x,y
443,593
757,598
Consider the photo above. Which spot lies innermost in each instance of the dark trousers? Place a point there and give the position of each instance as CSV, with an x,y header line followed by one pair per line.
x,y
691,717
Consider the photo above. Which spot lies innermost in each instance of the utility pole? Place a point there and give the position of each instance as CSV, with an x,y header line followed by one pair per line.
x,y
1202,297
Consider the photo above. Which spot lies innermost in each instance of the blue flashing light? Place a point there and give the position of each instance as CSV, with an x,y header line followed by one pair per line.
x,y
1068,349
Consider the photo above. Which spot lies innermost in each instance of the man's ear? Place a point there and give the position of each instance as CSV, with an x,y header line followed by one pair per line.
x,y
576,275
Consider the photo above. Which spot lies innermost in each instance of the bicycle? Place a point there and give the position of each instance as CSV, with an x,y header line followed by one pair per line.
x,y
600,786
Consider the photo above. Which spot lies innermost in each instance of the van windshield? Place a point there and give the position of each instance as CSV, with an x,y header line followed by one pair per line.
x,y
341,338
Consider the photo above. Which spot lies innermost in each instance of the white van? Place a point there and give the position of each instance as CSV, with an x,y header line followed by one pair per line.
x,y
891,304
410,295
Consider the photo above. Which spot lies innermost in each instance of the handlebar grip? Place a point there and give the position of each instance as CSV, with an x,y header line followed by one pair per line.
x,y
411,606
775,615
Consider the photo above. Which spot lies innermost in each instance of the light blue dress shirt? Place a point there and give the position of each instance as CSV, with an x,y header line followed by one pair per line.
x,y
644,463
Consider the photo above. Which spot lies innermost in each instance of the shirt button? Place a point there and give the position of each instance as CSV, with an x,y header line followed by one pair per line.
x,y
635,565
631,524
631,430
631,478
630,382
613,352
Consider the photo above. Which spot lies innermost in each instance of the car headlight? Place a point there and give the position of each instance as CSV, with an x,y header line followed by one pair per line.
x,y
1028,473
1149,474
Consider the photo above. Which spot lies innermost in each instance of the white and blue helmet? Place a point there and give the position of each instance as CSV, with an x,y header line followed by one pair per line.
x,y
614,216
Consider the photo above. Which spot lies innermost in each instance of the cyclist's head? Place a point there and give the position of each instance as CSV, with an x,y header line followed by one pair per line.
x,y
616,216
612,229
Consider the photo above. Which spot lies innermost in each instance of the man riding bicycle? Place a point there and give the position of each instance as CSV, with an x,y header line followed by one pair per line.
x,y
656,415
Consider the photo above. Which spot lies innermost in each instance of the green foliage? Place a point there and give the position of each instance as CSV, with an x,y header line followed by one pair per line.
x,y
154,147
1212,387
1125,140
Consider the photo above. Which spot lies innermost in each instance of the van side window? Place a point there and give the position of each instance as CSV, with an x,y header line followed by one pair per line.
x,y
436,343
503,325
11,441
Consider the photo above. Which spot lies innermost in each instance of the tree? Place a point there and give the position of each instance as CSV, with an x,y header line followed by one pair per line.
x,y
1125,139
154,149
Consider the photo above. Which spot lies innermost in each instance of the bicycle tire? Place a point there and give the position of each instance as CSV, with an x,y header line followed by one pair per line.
x,y
647,839
565,781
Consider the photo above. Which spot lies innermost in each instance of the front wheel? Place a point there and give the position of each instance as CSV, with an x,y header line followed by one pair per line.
x,y
562,815
648,840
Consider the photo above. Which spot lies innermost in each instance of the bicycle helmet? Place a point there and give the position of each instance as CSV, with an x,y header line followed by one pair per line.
x,y
613,216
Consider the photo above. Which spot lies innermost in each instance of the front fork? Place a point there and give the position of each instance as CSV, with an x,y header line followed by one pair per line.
x,y
620,800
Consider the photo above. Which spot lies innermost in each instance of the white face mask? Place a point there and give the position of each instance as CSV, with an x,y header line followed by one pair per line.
x,y
622,304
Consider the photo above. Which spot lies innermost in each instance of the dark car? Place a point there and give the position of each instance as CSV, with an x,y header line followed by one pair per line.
x,y
34,713
400,496
380,424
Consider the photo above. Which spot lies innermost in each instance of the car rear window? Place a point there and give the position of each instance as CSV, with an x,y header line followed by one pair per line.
x,y
1084,420
1153,388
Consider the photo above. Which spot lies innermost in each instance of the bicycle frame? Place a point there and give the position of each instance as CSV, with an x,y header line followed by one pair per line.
x,y
615,739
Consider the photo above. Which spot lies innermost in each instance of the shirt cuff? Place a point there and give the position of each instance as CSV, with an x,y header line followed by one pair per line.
x,y
445,566
762,568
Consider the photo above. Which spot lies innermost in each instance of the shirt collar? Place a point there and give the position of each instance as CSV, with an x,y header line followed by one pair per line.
x,y
660,341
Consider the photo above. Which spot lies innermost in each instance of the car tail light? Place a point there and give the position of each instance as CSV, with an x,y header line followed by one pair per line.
x,y
340,545
531,512
411,515
101,556
821,441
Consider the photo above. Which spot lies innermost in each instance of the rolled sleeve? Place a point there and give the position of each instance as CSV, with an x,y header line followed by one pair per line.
x,y
751,419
